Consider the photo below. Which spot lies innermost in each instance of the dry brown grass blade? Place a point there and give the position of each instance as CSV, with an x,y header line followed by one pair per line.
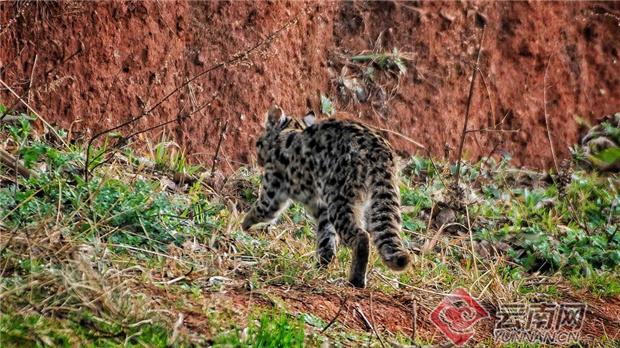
x,y
51,129
402,136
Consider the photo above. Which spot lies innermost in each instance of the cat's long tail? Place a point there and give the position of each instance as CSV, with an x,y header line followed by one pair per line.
x,y
383,219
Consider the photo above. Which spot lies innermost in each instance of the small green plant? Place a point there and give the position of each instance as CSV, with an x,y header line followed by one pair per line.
x,y
394,60
168,157
35,330
20,132
327,107
269,330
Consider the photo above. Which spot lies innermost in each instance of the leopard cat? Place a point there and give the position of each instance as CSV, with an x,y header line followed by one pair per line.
x,y
345,175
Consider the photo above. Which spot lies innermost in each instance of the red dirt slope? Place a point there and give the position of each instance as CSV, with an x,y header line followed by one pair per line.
x,y
93,65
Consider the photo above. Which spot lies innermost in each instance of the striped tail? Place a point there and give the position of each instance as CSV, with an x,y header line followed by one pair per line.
x,y
383,220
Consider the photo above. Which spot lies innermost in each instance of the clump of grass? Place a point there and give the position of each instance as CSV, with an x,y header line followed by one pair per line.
x,y
170,158
35,330
327,107
391,61
268,330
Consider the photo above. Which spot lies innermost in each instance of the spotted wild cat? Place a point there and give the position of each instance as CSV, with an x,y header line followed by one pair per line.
x,y
344,174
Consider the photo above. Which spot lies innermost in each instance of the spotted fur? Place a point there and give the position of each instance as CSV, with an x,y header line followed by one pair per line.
x,y
345,175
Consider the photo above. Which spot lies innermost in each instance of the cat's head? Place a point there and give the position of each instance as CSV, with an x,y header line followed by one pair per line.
x,y
276,124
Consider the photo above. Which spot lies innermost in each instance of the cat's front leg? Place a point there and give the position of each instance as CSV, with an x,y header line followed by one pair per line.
x,y
272,200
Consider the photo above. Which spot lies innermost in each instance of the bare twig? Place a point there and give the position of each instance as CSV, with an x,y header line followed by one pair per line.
x,y
217,149
372,316
365,321
11,162
402,136
34,65
176,330
343,301
555,161
469,98
123,141
179,118
415,320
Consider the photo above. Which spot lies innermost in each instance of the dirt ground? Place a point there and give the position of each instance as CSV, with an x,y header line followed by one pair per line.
x,y
88,66
395,313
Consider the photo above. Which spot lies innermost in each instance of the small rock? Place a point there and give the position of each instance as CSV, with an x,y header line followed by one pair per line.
x,y
447,15
167,184
546,203
445,216
218,280
200,58
356,89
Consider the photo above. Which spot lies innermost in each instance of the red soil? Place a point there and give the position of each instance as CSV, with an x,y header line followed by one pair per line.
x,y
394,313
100,63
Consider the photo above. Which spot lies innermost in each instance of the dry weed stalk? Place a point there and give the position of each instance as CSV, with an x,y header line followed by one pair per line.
x,y
465,122
547,126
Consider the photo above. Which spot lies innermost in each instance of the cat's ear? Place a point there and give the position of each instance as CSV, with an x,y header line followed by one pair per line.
x,y
276,119
309,119
275,116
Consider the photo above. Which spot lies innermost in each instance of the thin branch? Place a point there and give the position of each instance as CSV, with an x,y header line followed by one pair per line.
x,y
555,161
400,135
217,150
331,322
124,140
11,162
179,118
373,320
469,98
365,321
34,65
